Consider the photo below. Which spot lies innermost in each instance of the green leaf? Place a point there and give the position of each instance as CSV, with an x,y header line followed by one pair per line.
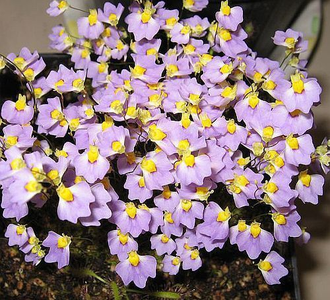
x,y
115,290
166,295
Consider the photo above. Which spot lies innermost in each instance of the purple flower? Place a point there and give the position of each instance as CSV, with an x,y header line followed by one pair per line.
x,y
187,211
216,222
99,208
303,93
291,39
254,240
191,260
156,170
91,164
309,187
57,7
298,149
74,201
19,136
171,264
195,5
111,13
59,250
129,218
137,268
142,23
278,190
303,238
24,59
163,244
51,118
121,244
136,187
229,17
285,226
18,112
17,235
272,269
90,27
167,200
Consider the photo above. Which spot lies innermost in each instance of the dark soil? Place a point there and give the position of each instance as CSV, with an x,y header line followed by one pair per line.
x,y
224,275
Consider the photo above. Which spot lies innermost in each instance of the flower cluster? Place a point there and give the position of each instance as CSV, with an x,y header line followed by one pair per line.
x,y
202,133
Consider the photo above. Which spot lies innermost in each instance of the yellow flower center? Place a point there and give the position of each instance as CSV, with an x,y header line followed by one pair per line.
x,y
189,49
267,133
146,16
185,29
168,218
103,67
172,70
241,226
269,85
297,84
11,141
265,266
253,100
231,126
188,3
225,9
37,92
255,229
175,261
92,18
141,182
166,193
131,210
74,124
194,254
292,142
118,147
171,21
186,204
305,178
19,62
224,215
226,69
194,99
189,160
279,218
17,164
131,112
65,193
165,238
33,186
133,258
78,84
290,42
63,242
148,165
271,187
225,34
93,154
123,238
113,20
62,5
138,71
54,176
20,103
20,229
29,74
155,134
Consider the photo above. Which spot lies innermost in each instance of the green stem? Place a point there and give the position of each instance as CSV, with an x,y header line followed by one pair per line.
x,y
166,295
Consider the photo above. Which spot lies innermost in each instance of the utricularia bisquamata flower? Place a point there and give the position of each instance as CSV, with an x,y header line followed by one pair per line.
x,y
168,128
